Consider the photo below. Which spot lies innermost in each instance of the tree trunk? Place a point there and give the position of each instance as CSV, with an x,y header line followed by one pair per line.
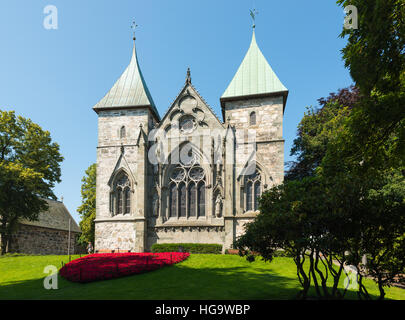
x,y
304,280
381,288
4,243
323,277
311,270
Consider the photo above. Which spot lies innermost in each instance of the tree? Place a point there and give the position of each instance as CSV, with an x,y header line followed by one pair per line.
x,y
87,209
382,230
298,217
29,169
315,130
375,56
345,192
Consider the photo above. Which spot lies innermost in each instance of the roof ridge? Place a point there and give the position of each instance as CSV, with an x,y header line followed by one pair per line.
x,y
129,90
199,95
254,75
171,104
209,107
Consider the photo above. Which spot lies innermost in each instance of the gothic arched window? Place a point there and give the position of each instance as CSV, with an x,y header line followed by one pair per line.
x,y
249,196
201,199
182,199
127,197
256,195
252,118
173,200
119,200
192,194
187,192
120,196
122,132
253,191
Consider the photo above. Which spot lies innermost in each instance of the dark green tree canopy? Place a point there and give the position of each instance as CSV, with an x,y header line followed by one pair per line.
x,y
87,209
316,129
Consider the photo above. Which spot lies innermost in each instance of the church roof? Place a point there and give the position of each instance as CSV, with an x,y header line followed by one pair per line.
x,y
183,89
254,76
129,91
56,217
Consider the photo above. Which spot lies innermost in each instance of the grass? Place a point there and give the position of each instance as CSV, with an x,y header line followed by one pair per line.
x,y
199,277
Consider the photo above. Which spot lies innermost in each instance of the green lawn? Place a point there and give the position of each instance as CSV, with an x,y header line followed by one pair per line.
x,y
199,277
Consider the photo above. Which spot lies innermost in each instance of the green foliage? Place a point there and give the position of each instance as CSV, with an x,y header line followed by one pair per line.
x,y
281,253
375,56
187,247
296,217
29,169
316,129
374,53
319,218
383,234
87,209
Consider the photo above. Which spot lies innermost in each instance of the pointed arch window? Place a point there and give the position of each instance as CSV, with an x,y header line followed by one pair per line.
x,y
252,118
249,196
173,201
187,192
120,195
253,191
119,200
122,132
192,194
127,197
201,199
256,195
182,199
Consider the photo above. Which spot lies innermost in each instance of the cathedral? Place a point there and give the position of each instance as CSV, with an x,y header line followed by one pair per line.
x,y
188,176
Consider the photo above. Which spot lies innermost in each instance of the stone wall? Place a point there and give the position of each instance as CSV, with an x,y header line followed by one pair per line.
x,y
38,240
190,235
109,151
138,230
115,235
268,130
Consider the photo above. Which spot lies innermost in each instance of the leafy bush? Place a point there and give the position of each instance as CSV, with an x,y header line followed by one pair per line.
x,y
13,254
187,247
282,253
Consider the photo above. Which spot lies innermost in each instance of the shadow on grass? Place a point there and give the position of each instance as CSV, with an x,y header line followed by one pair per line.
x,y
189,280
172,282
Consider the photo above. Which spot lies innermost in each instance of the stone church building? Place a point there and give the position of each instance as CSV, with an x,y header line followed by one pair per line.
x,y
49,234
189,176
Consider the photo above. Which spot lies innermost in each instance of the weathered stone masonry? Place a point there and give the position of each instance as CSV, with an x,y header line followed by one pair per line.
x,y
39,240
210,195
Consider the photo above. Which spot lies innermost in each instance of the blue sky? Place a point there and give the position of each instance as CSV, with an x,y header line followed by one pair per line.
x,y
55,77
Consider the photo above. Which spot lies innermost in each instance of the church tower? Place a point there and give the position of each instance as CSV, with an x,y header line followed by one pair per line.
x,y
254,102
126,114
187,177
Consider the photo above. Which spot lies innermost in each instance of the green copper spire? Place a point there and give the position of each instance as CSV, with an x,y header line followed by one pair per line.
x,y
254,76
129,91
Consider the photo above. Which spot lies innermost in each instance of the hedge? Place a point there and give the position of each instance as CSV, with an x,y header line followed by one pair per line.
x,y
187,247
277,253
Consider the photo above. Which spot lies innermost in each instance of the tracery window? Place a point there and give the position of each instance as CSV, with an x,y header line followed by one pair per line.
x,y
187,192
187,124
120,196
253,191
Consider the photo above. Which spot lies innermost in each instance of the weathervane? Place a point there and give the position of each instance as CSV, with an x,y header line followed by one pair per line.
x,y
133,27
188,78
253,14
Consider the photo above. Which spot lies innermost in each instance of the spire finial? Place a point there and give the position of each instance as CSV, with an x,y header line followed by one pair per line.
x,y
253,14
188,78
133,27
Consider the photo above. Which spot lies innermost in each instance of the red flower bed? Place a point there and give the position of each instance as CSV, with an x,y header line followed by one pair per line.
x,y
101,266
